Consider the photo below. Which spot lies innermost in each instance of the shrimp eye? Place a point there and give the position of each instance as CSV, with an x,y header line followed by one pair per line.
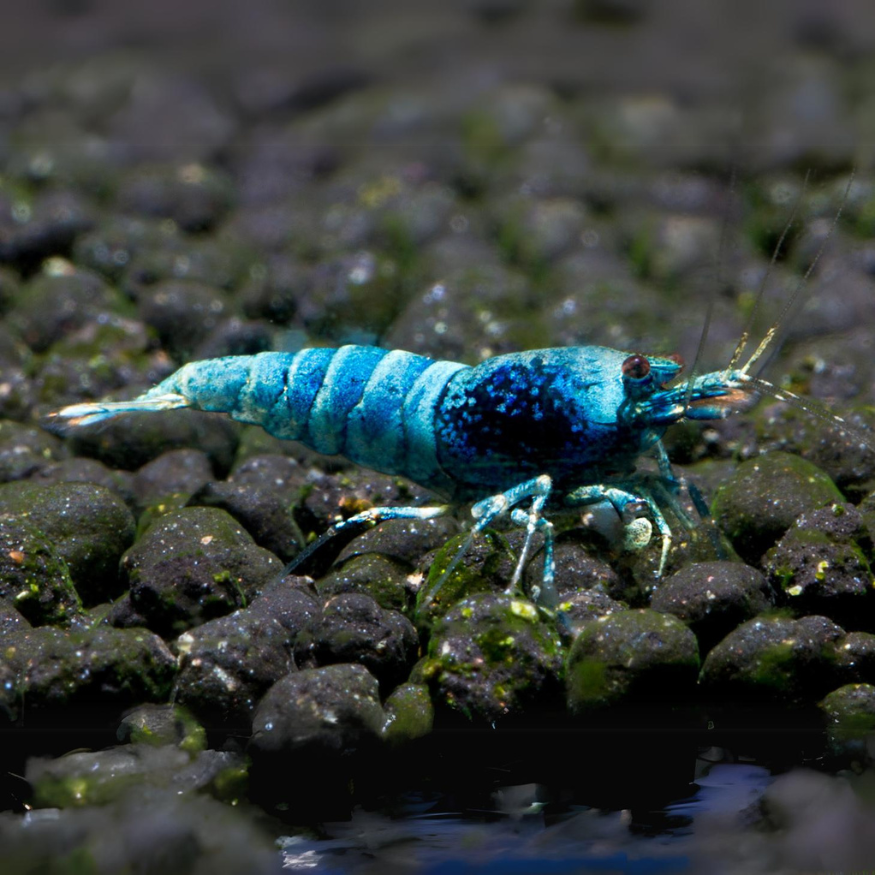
x,y
636,367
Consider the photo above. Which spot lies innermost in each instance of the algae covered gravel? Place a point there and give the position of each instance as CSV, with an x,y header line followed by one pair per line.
x,y
312,180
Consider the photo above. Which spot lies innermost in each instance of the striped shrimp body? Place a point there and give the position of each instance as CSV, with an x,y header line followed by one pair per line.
x,y
563,425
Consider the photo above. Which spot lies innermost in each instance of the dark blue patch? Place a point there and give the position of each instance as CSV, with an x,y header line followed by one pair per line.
x,y
522,415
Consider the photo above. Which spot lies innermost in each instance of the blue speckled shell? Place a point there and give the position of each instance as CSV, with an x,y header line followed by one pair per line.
x,y
551,411
463,432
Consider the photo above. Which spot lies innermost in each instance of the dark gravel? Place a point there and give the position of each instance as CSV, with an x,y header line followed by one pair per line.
x,y
490,657
630,657
354,628
226,665
194,565
713,598
34,579
772,659
764,498
189,181
57,672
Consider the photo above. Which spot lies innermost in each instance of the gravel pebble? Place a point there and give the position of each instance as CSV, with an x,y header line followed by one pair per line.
x,y
226,666
194,565
87,525
353,628
774,659
492,656
757,505
628,658
713,598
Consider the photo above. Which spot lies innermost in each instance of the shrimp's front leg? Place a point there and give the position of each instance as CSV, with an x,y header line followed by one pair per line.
x,y
488,510
639,530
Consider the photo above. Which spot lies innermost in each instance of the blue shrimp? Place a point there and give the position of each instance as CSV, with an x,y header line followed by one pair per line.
x,y
564,425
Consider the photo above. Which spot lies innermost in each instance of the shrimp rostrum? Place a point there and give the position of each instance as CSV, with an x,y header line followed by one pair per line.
x,y
515,435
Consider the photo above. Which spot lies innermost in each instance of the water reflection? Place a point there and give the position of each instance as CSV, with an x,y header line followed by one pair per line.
x,y
532,828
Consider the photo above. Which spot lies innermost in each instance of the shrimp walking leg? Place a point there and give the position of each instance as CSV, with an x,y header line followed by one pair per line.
x,y
637,534
488,510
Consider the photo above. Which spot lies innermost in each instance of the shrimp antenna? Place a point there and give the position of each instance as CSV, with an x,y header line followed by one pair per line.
x,y
761,291
811,407
709,310
797,291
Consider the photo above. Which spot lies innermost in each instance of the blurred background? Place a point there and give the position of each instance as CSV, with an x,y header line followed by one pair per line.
x,y
807,62
323,162
273,174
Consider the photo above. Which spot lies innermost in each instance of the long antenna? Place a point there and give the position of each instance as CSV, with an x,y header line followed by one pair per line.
x,y
709,310
761,291
813,408
794,297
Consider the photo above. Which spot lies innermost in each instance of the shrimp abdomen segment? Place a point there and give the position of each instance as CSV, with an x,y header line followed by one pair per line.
x,y
374,406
